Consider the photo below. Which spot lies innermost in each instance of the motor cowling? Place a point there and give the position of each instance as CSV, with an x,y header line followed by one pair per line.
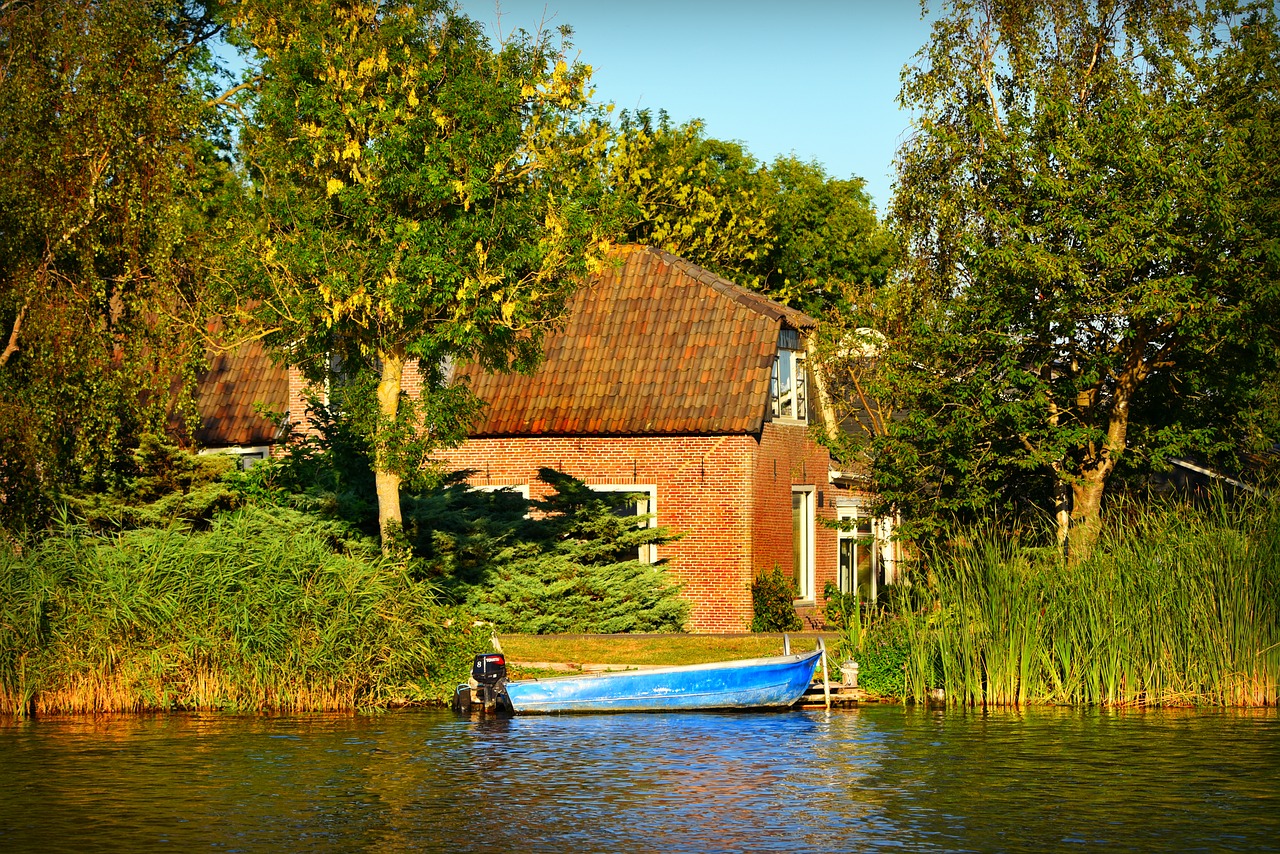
x,y
489,668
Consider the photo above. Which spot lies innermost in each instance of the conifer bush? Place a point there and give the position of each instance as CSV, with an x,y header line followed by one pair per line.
x,y
569,563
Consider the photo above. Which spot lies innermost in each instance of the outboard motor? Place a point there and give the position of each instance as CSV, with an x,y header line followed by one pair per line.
x,y
483,691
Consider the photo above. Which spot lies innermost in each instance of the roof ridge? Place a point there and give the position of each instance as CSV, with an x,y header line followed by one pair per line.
x,y
751,299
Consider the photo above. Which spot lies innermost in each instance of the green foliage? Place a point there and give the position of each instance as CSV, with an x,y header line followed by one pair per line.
x,y
788,230
269,609
838,607
109,152
1179,604
704,199
572,565
1091,271
773,607
167,486
419,195
882,657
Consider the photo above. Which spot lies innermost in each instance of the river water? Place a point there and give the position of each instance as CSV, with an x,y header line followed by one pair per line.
x,y
878,777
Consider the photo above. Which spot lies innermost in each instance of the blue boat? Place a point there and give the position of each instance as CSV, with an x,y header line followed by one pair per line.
x,y
753,683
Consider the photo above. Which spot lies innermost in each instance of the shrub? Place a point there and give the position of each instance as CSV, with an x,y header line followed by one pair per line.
x,y
573,567
883,656
773,603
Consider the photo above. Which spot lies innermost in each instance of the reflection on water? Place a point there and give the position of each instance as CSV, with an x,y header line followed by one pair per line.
x,y
877,777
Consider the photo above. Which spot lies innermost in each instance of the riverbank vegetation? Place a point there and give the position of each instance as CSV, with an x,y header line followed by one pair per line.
x,y
269,609
203,587
1178,605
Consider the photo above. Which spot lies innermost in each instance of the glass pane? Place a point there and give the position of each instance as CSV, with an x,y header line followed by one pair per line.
x,y
866,549
797,541
786,391
848,561
802,392
773,387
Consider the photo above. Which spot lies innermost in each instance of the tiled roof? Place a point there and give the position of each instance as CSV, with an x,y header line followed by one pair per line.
x,y
655,346
227,392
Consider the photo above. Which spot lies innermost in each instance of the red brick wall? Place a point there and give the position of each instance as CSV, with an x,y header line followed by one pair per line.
x,y
789,457
719,491
703,490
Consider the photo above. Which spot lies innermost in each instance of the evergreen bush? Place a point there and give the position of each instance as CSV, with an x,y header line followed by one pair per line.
x,y
569,563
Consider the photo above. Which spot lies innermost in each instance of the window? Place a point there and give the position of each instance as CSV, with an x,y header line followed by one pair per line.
x,y
246,457
645,505
859,561
506,500
802,540
789,386
521,489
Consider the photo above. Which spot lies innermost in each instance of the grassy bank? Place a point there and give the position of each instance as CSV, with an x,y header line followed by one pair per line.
x,y
1179,605
647,649
269,609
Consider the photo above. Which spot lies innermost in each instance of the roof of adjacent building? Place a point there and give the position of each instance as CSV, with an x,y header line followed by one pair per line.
x,y
655,345
231,393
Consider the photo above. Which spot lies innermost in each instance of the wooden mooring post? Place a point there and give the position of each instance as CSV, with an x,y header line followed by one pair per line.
x,y
826,682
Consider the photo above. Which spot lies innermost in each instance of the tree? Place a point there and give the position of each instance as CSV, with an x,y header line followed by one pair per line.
x,y
420,196
787,230
829,247
703,199
1088,209
109,147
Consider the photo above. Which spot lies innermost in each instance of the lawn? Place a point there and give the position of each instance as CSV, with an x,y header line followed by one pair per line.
x,y
649,649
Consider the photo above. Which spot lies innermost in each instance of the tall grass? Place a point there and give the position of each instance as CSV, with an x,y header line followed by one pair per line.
x,y
269,609
1178,605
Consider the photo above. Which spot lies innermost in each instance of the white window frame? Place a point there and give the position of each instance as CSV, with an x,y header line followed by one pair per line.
x,y
805,574
848,583
884,550
648,506
246,456
521,488
799,391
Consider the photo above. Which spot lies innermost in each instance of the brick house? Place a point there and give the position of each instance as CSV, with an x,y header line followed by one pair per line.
x,y
674,383
666,381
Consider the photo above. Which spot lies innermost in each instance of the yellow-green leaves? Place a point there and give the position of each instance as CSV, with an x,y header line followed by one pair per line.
x,y
419,187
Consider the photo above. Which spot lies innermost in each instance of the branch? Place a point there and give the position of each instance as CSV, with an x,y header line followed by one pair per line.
x,y
985,71
227,95
199,38
12,346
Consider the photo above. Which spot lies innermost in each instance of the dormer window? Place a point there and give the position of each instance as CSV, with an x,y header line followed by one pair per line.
x,y
789,387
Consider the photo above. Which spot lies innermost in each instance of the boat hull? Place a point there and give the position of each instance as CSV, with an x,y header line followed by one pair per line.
x,y
758,683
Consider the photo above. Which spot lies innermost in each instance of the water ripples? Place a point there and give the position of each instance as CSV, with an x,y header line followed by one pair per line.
x,y
867,779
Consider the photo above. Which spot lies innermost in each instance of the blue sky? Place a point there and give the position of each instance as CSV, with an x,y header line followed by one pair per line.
x,y
819,78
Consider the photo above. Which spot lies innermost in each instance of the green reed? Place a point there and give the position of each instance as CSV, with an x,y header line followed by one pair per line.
x,y
269,609
1179,605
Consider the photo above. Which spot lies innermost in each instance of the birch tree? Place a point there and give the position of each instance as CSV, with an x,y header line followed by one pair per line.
x,y
1088,205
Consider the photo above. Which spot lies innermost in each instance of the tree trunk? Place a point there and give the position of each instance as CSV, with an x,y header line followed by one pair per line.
x,y
1062,512
1086,515
1100,461
387,481
830,424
